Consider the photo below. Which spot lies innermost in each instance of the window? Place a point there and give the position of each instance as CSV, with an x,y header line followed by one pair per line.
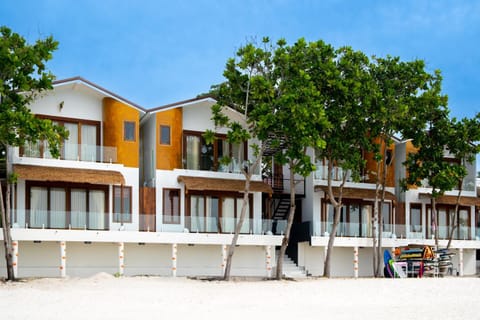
x,y
198,155
66,206
447,219
165,135
129,131
416,224
216,213
82,143
171,206
356,218
122,204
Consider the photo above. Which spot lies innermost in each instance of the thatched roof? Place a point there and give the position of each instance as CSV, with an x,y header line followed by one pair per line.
x,y
42,173
464,201
214,184
356,193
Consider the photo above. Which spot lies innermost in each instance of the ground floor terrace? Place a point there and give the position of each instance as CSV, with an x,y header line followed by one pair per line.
x,y
61,253
353,256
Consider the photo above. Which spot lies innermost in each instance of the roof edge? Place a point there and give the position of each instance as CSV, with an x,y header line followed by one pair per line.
x,y
98,88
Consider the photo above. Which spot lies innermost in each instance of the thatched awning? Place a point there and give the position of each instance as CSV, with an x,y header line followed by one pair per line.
x,y
356,193
464,201
42,173
214,184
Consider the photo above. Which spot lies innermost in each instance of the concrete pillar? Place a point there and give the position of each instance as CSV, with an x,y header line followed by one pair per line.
x,y
460,262
224,258
15,258
355,262
174,260
63,259
268,260
121,258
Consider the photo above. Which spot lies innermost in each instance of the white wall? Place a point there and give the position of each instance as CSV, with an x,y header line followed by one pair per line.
x,y
79,103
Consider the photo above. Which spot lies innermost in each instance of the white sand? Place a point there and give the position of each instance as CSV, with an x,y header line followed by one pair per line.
x,y
106,297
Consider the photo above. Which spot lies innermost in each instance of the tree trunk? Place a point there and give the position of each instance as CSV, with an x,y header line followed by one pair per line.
x,y
7,236
288,228
434,221
331,239
336,220
248,175
455,216
238,227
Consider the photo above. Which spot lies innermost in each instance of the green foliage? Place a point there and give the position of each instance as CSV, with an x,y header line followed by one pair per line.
x,y
443,145
23,77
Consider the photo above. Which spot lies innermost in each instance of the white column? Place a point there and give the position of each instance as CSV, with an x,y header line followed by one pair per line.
x,y
121,258
355,262
63,259
174,260
15,258
224,258
460,262
268,260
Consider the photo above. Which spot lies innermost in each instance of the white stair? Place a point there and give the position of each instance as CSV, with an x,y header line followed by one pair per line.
x,y
291,270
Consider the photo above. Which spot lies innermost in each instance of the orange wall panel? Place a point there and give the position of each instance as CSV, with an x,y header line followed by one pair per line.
x,y
371,167
169,157
115,114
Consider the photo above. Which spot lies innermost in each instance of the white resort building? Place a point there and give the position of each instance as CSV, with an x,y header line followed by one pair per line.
x,y
140,192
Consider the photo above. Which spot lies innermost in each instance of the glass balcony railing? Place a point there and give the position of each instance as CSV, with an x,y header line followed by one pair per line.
x,y
363,230
72,151
45,219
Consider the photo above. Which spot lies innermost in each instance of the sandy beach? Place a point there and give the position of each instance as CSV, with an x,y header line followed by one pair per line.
x,y
106,297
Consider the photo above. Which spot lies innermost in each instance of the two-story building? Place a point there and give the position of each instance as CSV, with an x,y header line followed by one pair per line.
x,y
133,192
406,218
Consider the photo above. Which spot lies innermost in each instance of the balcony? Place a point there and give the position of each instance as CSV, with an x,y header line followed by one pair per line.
x,y
47,219
397,231
72,151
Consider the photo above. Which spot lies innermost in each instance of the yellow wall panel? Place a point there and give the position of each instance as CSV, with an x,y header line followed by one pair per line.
x,y
115,115
169,157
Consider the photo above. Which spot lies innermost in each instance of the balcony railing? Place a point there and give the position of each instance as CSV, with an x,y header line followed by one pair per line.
x,y
71,151
47,219
399,231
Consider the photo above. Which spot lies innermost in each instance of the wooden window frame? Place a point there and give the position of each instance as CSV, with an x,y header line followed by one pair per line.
x,y
173,215
216,163
220,196
68,188
124,190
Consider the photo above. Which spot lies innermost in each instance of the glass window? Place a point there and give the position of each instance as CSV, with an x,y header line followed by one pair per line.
x,y
416,218
57,208
165,135
171,206
198,155
129,131
122,204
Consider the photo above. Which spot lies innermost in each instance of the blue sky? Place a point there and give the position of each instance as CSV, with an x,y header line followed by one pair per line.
x,y
160,52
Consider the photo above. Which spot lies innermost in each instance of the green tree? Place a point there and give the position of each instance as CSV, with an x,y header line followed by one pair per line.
x,y
396,87
431,133
23,77
300,117
464,147
249,88
345,84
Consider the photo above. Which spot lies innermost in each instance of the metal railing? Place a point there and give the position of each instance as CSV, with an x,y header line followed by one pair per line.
x,y
71,151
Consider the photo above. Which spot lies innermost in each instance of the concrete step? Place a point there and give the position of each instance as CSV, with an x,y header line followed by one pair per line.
x,y
291,270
